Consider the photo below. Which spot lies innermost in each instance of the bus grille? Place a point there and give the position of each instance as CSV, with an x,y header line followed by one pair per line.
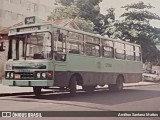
x,y
26,76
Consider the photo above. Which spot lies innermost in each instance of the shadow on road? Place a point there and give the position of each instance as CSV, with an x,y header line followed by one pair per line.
x,y
102,96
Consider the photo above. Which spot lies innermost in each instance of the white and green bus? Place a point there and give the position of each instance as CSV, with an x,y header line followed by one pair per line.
x,y
43,55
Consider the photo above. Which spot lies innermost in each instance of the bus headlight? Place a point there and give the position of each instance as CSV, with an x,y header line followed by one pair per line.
x,y
44,75
9,75
38,75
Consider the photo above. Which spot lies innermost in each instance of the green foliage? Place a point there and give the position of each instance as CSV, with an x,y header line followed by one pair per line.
x,y
84,12
110,16
99,25
66,2
104,21
89,9
140,15
135,27
85,25
139,5
71,12
64,12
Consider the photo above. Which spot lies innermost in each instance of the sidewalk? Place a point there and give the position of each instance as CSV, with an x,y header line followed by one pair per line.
x,y
143,83
10,90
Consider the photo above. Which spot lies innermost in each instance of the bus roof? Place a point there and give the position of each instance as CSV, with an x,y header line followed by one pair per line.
x,y
73,30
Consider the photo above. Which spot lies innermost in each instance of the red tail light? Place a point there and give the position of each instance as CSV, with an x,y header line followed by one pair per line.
x,y
49,75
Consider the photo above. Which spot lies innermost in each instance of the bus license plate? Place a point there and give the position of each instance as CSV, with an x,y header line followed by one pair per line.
x,y
17,76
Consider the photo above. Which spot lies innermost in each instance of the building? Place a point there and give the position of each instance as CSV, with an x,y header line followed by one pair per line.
x,y
14,11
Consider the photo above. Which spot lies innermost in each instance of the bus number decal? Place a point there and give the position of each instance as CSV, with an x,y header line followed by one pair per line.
x,y
108,65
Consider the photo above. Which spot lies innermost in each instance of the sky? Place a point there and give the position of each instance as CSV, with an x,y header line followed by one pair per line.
x,y
117,4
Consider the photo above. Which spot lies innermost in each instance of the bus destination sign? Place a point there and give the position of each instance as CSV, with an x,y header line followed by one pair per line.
x,y
30,20
28,29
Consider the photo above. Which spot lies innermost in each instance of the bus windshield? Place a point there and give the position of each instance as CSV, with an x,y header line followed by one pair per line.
x,y
31,46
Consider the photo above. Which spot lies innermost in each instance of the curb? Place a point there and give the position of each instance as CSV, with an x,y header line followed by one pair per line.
x,y
141,85
14,94
21,93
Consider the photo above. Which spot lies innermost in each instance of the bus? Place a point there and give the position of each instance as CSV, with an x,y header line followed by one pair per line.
x,y
44,55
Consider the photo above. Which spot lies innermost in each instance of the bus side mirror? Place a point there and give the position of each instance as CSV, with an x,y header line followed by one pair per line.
x,y
2,47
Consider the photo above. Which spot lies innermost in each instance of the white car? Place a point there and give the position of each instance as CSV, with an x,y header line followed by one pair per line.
x,y
150,77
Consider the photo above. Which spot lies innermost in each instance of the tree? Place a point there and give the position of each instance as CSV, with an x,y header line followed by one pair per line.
x,y
103,22
71,12
85,12
88,9
84,25
64,12
99,27
65,2
136,28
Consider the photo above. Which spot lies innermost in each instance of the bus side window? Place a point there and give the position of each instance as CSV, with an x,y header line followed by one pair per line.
x,y
137,54
74,47
92,50
75,43
129,52
60,36
38,56
74,51
120,52
60,56
108,52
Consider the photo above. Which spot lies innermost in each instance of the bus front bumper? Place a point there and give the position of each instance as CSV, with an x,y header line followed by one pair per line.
x,y
27,83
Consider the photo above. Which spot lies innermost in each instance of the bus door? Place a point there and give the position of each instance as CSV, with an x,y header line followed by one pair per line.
x,y
60,58
60,46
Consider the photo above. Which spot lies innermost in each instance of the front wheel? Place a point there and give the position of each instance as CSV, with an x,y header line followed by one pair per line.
x,y
37,91
73,86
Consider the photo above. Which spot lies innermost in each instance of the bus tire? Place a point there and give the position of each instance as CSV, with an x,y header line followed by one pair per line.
x,y
73,86
37,90
118,86
88,88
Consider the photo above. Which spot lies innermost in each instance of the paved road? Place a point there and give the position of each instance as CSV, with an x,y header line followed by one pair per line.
x,y
14,90
144,98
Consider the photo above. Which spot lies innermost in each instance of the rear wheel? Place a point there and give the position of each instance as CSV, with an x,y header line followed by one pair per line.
x,y
37,90
73,86
118,86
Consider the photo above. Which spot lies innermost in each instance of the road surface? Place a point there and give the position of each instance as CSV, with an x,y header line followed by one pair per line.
x,y
137,98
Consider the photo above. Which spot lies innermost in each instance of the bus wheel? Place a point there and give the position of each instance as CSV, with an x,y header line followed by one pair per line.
x,y
88,88
37,91
73,86
118,86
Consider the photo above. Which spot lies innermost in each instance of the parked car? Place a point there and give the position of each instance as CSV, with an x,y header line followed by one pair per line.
x,y
150,77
